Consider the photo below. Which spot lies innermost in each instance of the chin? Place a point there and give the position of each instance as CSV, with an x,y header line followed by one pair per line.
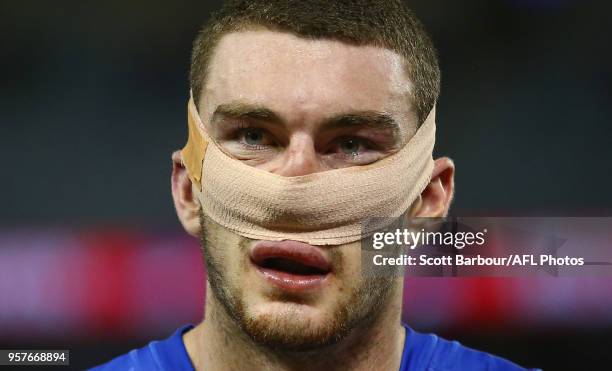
x,y
292,326
291,312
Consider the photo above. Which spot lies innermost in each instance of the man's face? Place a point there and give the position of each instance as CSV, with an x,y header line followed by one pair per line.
x,y
293,106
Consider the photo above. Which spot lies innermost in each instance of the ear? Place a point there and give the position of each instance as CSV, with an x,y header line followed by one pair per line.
x,y
436,198
186,204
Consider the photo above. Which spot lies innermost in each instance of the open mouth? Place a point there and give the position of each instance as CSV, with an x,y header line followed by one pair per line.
x,y
291,265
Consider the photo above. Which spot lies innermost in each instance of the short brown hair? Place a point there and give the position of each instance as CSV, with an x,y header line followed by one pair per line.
x,y
384,23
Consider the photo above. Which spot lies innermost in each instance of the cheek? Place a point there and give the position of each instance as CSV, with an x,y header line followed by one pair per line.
x,y
348,258
228,249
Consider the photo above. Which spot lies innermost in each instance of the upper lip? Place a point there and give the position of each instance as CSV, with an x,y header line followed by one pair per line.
x,y
295,251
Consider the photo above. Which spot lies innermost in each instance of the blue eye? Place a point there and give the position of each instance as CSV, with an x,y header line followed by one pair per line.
x,y
350,146
253,136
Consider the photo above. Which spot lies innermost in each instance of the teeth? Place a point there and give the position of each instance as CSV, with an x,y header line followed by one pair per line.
x,y
290,266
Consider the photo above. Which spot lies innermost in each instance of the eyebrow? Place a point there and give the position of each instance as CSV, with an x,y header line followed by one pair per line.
x,y
371,119
238,110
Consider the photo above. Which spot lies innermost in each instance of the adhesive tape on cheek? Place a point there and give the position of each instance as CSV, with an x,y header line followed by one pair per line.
x,y
325,208
193,152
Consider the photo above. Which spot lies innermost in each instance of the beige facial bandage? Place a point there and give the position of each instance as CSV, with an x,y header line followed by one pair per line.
x,y
325,208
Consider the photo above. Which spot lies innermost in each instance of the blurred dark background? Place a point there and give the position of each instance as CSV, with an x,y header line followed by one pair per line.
x,y
92,103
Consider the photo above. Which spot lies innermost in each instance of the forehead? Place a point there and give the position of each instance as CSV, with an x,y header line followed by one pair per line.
x,y
305,77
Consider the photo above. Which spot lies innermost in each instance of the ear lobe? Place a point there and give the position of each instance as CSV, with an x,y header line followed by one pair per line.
x,y
185,201
436,198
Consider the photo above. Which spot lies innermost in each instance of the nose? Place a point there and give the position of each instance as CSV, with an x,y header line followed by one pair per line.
x,y
300,157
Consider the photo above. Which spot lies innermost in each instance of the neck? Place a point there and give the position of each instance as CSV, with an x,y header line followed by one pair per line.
x,y
218,343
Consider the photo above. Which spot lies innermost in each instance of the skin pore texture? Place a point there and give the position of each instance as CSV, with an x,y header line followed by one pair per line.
x,y
294,106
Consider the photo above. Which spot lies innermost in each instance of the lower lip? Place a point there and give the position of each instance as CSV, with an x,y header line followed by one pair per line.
x,y
293,282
